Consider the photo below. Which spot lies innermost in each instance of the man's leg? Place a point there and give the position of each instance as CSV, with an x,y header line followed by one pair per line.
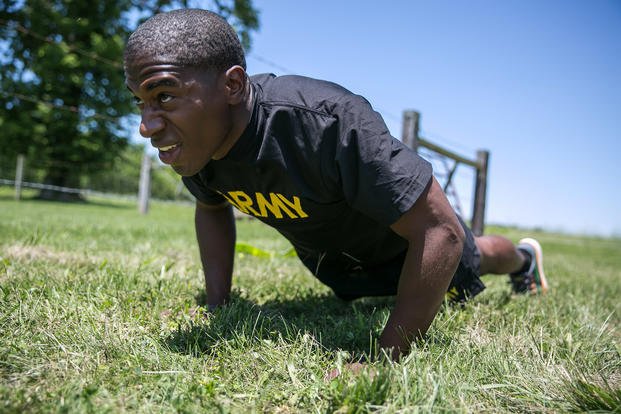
x,y
524,262
499,255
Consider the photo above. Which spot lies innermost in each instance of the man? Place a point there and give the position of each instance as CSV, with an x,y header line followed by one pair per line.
x,y
314,161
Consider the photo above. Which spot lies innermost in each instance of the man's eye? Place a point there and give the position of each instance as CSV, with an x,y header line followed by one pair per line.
x,y
163,97
137,101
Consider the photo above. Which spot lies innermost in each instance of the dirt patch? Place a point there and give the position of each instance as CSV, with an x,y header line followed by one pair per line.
x,y
173,263
21,252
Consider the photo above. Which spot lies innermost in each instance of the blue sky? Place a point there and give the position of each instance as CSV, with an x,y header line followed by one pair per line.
x,y
538,83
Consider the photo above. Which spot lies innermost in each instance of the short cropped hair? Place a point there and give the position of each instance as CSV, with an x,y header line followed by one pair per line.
x,y
187,37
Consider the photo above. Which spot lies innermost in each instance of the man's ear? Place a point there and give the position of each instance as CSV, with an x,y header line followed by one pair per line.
x,y
236,84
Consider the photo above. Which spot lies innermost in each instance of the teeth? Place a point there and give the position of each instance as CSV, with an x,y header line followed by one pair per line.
x,y
167,148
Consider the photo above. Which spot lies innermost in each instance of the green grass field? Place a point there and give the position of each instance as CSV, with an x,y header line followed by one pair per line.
x,y
100,311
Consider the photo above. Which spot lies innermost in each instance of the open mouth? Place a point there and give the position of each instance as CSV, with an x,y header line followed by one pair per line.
x,y
168,148
170,153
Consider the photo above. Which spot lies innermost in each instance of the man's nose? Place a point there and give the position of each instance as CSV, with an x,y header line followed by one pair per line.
x,y
150,124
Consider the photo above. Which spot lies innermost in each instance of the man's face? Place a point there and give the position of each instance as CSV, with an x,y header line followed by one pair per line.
x,y
184,111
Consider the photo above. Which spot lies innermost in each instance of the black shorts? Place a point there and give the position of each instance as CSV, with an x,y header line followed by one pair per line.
x,y
349,280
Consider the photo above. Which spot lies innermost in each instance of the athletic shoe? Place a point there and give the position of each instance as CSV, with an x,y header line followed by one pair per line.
x,y
533,280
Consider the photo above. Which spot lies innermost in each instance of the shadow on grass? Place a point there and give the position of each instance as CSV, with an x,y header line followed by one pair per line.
x,y
496,300
334,323
72,202
594,396
112,204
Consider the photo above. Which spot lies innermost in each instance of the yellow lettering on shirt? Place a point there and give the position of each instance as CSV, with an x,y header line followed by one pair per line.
x,y
243,202
273,205
230,200
296,205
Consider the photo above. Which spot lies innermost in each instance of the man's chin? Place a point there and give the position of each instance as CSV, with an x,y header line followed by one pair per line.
x,y
185,171
182,171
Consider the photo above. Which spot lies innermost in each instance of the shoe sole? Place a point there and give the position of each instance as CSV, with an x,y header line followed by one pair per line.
x,y
540,277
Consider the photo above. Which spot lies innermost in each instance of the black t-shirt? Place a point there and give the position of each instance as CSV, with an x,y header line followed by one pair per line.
x,y
319,165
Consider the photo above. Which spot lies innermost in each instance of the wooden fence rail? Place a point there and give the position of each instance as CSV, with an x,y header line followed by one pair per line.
x,y
411,137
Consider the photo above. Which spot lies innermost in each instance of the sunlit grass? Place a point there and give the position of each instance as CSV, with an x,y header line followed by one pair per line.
x,y
100,310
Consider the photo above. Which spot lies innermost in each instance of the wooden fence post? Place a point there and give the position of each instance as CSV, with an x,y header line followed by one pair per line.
x,y
144,188
410,136
19,175
410,132
480,191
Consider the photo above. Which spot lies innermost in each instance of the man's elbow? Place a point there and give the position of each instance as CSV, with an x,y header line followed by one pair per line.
x,y
454,235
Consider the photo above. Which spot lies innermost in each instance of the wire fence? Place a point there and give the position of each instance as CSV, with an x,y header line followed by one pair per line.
x,y
456,182
126,180
113,183
80,191
440,156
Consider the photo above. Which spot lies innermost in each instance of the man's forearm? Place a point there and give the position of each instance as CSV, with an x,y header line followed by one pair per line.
x,y
424,280
215,233
435,239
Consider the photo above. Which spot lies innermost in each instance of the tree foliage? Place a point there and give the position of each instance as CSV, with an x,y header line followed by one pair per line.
x,y
63,99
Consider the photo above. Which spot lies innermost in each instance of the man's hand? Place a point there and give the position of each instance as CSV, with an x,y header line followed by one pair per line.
x,y
436,240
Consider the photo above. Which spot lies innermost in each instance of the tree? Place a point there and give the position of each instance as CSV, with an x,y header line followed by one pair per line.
x,y
64,101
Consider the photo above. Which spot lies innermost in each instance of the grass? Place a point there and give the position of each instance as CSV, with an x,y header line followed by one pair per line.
x,y
101,311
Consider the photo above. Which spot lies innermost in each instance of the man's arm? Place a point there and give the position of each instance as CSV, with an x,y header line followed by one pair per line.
x,y
215,232
435,239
